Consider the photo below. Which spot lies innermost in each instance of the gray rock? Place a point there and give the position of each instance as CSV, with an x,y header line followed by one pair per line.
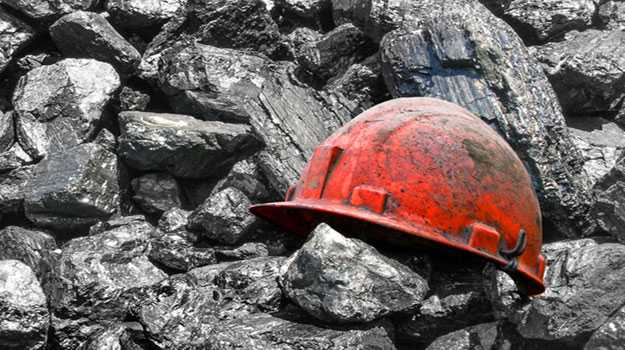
x,y
49,10
73,189
334,52
290,117
156,193
14,35
486,336
176,252
37,59
611,14
7,131
611,335
133,100
24,319
313,13
452,53
33,248
245,251
111,337
585,71
342,280
12,189
584,283
601,143
136,14
608,213
539,21
375,17
90,35
107,140
184,146
224,217
14,158
58,106
173,220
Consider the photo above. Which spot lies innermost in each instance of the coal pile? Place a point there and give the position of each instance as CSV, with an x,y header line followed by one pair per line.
x,y
135,135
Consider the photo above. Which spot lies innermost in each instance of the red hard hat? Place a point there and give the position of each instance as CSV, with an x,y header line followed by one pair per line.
x,y
426,168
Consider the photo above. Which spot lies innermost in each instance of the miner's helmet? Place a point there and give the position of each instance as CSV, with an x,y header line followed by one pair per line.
x,y
425,170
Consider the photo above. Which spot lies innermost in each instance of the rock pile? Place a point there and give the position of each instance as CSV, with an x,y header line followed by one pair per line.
x,y
135,134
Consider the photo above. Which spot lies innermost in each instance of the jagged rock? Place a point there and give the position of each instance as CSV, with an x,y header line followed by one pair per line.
x,y
539,21
342,280
453,53
73,189
107,140
173,220
90,35
584,283
37,59
12,189
246,251
611,14
601,143
24,318
136,14
33,248
585,71
224,217
49,10
334,52
14,35
98,275
611,335
182,145
290,118
457,299
133,100
239,24
14,158
156,193
175,252
486,336
313,13
608,212
111,337
58,106
7,131
375,17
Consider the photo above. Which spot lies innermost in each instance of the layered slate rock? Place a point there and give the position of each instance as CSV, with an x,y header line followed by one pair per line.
x,y
24,319
608,212
239,24
342,280
539,21
12,189
452,53
182,145
585,71
33,248
14,35
59,106
611,335
73,189
601,143
584,288
224,217
48,10
156,192
136,14
90,35
290,118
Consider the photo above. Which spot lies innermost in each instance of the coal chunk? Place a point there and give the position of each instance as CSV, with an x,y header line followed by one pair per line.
x,y
33,248
452,53
137,14
59,106
48,10
342,280
133,100
173,220
176,252
73,189
14,35
182,145
90,35
7,131
224,217
611,335
584,70
608,213
12,189
313,13
156,193
485,336
249,250
375,17
24,319
611,14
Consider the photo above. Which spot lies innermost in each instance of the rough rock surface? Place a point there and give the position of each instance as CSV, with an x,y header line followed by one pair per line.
x,y
609,210
182,145
133,100
173,220
135,14
454,54
611,14
290,117
59,106
176,252
74,188
7,131
49,10
342,280
24,317
311,13
89,35
486,336
611,335
156,192
375,17
33,248
224,217
14,35
585,71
